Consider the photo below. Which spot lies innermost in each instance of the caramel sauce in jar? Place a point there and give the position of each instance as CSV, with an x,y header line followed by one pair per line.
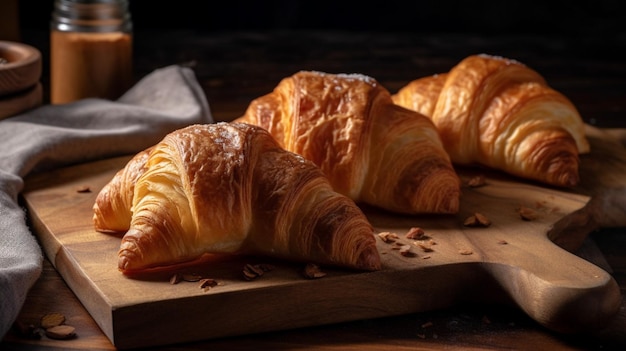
x,y
89,65
90,50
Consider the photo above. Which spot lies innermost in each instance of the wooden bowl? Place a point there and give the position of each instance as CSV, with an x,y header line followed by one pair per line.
x,y
20,67
15,104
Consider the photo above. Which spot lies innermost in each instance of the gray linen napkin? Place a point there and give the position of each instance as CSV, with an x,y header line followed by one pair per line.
x,y
52,136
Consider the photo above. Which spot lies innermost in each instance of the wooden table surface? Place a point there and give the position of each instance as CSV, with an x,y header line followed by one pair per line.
x,y
236,67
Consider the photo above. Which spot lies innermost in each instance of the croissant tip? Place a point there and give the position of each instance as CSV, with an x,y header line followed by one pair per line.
x,y
123,263
567,178
573,179
375,266
572,182
370,260
126,254
125,260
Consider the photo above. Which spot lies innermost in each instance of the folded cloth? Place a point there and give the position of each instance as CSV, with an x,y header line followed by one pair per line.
x,y
52,136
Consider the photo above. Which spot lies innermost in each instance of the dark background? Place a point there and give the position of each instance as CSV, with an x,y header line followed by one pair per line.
x,y
600,17
589,28
240,48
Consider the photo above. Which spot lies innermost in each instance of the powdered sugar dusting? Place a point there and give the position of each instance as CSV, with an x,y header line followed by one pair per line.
x,y
508,61
349,77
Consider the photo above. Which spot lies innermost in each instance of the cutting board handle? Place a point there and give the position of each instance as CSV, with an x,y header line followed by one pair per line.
x,y
558,289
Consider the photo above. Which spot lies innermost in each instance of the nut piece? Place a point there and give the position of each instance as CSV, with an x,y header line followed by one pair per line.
x,y
415,233
83,189
465,252
207,283
527,214
405,250
251,272
388,237
176,278
52,320
313,271
426,247
61,332
476,181
477,220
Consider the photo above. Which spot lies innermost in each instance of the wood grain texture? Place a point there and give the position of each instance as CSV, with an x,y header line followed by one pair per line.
x,y
22,69
511,261
11,105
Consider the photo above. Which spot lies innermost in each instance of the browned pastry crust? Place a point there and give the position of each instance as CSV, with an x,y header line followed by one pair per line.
x,y
230,188
499,113
371,150
112,209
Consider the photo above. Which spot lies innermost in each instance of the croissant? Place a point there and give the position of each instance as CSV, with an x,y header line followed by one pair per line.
x,y
230,188
112,209
371,150
499,113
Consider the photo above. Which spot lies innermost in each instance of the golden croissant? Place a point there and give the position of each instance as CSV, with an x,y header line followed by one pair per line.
x,y
499,113
230,188
112,210
371,150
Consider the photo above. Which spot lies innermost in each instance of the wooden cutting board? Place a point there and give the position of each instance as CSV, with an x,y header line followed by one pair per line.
x,y
511,261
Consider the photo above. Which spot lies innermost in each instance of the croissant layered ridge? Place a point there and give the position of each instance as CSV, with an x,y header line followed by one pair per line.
x,y
229,188
498,112
112,208
371,150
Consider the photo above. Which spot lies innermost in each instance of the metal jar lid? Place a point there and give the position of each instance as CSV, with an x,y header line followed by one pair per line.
x,y
91,16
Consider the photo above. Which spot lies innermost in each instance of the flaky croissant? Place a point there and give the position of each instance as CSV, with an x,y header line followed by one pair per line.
x,y
499,113
230,188
112,209
371,150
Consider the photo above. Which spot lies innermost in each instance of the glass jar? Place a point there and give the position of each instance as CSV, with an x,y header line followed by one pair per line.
x,y
90,50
